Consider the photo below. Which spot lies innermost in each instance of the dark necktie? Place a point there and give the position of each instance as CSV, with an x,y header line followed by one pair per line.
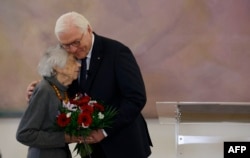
x,y
83,74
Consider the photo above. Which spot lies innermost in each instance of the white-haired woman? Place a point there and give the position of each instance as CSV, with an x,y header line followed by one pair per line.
x,y
58,69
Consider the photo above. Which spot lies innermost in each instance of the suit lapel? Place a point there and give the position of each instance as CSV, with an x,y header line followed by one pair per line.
x,y
95,61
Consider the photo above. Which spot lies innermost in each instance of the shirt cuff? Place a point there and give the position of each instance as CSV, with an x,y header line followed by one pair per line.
x,y
104,133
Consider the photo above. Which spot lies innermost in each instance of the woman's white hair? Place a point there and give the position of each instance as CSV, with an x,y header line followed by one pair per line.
x,y
53,56
69,20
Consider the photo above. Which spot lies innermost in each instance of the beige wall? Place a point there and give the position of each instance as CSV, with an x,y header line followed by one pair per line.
x,y
192,50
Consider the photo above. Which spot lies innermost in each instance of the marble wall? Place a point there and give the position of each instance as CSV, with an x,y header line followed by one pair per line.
x,y
192,50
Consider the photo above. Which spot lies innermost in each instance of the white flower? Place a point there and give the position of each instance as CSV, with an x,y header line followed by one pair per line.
x,y
100,116
68,114
71,107
84,126
78,96
91,102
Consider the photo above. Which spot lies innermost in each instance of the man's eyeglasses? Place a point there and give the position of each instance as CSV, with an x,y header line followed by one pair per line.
x,y
76,43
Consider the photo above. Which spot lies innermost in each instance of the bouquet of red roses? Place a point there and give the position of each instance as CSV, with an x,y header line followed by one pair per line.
x,y
81,115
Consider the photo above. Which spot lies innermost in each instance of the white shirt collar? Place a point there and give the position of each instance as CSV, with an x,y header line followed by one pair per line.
x,y
90,52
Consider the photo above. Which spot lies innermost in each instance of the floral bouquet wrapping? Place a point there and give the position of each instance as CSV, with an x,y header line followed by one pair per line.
x,y
81,115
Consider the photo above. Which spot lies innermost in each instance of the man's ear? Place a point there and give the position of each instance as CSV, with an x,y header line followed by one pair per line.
x,y
90,29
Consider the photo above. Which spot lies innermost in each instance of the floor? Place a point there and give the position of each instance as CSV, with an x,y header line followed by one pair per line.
x,y
186,140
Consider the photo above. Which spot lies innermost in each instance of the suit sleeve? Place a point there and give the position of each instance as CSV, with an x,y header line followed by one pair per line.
x,y
131,87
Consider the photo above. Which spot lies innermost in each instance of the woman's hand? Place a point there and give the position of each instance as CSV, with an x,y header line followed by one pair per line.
x,y
95,136
72,139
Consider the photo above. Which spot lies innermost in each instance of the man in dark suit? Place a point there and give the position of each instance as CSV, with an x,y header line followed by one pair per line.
x,y
114,77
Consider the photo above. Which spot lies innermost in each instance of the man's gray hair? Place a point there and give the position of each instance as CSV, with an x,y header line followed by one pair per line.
x,y
69,20
54,56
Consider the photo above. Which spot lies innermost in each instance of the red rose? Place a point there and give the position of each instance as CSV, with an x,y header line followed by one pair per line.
x,y
85,119
99,107
62,120
84,100
87,109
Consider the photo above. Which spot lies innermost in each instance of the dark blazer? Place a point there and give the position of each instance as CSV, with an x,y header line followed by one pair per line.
x,y
115,78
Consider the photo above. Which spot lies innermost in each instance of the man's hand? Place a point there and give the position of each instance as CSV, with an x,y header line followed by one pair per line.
x,y
95,137
30,89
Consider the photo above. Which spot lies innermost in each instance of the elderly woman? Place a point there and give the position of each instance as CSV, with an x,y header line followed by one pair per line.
x,y
58,69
